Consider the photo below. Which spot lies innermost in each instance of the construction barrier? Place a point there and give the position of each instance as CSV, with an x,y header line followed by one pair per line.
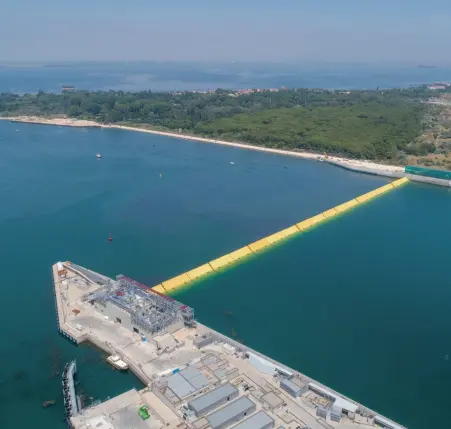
x,y
171,285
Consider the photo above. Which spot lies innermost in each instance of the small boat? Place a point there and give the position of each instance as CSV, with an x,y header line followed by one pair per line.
x,y
110,237
45,404
116,362
98,156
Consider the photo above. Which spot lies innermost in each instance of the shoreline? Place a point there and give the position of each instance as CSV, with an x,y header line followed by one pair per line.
x,y
368,167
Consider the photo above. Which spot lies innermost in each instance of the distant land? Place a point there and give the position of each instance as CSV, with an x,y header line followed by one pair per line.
x,y
188,76
396,126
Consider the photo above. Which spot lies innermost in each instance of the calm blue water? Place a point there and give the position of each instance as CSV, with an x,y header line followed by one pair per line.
x,y
361,303
59,203
358,303
134,76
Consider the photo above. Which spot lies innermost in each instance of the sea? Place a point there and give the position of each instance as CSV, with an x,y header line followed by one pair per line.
x,y
360,303
171,76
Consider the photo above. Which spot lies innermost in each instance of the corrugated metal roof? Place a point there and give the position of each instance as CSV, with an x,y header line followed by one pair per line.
x,y
231,411
180,386
205,401
190,372
194,377
257,421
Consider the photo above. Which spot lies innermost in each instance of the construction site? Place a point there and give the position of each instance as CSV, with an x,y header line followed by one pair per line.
x,y
194,377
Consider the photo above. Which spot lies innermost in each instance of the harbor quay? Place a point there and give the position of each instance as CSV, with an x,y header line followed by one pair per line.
x,y
194,377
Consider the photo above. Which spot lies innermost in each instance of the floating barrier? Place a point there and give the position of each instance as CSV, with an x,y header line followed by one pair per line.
x,y
176,283
199,271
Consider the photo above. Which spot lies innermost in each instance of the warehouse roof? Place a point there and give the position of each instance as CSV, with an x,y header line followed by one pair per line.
x,y
229,412
202,402
180,386
257,421
187,381
194,377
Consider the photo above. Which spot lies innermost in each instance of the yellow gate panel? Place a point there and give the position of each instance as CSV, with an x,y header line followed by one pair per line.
x,y
386,188
159,288
199,271
305,224
240,253
278,236
329,213
346,206
274,238
220,262
366,197
399,182
290,231
308,223
176,282
259,245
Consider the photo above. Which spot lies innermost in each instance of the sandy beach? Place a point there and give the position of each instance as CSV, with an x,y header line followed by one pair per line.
x,y
355,165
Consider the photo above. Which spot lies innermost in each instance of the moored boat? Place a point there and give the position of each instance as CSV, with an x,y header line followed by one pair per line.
x,y
116,362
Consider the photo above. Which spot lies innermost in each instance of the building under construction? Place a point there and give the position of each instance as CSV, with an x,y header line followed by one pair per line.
x,y
140,309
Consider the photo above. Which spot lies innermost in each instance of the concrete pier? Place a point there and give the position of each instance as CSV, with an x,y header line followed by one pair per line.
x,y
69,394
179,363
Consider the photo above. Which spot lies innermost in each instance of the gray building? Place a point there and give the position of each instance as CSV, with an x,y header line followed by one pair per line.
x,y
259,420
294,388
231,413
187,381
212,400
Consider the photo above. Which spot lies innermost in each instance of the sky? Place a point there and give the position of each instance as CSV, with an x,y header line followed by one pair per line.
x,y
414,31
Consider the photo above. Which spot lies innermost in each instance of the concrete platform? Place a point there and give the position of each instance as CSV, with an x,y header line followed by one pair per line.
x,y
221,360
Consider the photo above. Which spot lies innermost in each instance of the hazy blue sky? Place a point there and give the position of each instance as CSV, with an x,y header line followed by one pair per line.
x,y
277,30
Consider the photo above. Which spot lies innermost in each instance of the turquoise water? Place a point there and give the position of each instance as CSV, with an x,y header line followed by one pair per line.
x,y
361,303
60,203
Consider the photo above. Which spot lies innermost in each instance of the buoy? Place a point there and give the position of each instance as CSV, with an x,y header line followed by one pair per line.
x,y
110,238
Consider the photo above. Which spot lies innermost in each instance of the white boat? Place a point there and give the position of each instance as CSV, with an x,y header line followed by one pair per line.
x,y
98,156
117,362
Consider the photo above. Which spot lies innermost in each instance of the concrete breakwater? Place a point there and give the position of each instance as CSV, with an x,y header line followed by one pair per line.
x,y
368,168
389,171
182,280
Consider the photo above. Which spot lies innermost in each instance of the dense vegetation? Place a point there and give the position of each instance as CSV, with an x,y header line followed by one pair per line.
x,y
363,124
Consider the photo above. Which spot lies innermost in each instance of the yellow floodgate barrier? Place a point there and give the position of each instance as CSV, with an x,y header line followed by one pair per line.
x,y
182,280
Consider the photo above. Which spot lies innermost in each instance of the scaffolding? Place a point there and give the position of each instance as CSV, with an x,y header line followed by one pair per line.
x,y
150,311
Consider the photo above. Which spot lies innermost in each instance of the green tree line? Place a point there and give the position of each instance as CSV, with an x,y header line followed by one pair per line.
x,y
362,124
